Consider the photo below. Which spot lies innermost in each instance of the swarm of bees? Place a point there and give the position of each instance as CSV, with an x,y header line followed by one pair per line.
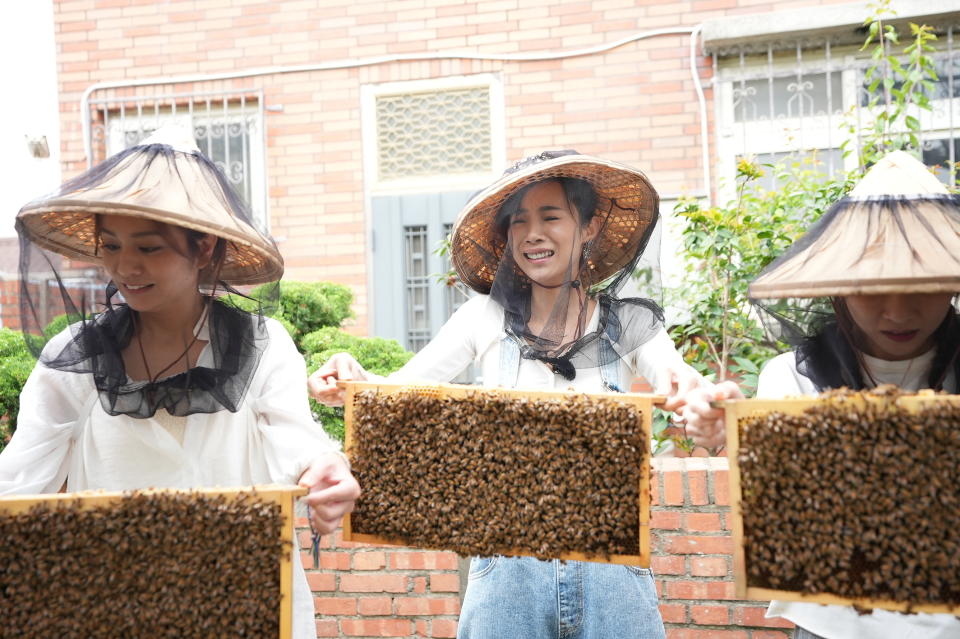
x,y
148,565
486,474
854,498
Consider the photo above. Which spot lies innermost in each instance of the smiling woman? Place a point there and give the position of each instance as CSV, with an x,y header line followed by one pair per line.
x,y
547,247
158,269
548,226
168,385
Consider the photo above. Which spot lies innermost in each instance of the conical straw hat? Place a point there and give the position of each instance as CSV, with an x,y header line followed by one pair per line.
x,y
898,231
625,199
165,179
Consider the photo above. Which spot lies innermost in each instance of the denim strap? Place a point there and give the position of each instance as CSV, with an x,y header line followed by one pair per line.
x,y
609,365
509,362
609,359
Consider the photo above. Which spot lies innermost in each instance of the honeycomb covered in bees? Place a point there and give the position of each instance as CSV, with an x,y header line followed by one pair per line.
x,y
145,565
488,474
857,499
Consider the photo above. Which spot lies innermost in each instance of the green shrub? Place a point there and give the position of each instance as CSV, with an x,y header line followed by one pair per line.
x,y
375,354
16,363
304,306
56,325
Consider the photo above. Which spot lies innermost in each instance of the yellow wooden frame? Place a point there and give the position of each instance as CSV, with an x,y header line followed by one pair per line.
x,y
644,402
738,409
280,494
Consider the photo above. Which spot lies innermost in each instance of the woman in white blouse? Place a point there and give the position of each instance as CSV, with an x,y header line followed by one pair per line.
x,y
547,247
169,387
886,256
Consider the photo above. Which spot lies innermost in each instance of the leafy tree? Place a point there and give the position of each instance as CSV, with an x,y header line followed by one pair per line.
x,y
727,246
899,87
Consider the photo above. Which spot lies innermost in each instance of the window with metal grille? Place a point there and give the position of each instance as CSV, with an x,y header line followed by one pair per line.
x,y
438,132
803,100
417,284
228,129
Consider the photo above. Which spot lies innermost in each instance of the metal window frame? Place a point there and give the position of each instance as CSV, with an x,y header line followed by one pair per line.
x,y
113,114
734,67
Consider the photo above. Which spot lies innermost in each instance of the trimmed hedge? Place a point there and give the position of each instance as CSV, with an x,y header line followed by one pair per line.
x,y
375,354
304,307
16,363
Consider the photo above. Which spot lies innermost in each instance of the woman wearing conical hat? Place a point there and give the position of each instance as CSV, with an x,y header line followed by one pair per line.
x,y
547,248
168,386
866,296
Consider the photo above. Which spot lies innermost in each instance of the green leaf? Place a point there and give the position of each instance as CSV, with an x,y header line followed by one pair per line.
x,y
746,364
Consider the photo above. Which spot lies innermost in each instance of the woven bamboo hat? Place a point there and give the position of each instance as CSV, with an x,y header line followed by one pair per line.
x,y
898,231
626,201
165,179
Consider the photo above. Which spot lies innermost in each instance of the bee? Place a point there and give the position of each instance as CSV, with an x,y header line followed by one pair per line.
x,y
488,473
852,498
147,564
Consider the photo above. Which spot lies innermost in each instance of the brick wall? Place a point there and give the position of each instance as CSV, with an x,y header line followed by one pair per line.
x,y
372,591
692,555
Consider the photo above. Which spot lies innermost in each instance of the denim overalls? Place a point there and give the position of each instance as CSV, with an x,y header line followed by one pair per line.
x,y
525,598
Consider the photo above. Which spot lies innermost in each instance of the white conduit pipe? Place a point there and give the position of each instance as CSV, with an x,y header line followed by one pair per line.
x,y
694,34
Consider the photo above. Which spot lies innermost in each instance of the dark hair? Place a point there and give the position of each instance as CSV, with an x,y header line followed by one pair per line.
x,y
209,274
579,193
833,357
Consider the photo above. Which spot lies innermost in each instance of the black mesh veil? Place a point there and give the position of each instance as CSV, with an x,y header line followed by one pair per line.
x,y
75,320
560,331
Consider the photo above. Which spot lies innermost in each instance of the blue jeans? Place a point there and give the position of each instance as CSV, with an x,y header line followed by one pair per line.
x,y
524,598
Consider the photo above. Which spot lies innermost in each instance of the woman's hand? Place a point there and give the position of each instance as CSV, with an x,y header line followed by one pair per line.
x,y
704,423
333,491
676,382
322,385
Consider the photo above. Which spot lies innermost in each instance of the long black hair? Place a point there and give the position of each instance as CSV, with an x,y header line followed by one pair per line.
x,y
831,358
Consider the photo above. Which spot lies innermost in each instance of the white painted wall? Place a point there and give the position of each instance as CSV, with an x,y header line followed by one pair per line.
x,y
29,108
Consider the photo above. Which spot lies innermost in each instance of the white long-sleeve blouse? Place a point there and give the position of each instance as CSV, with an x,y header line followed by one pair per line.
x,y
63,434
474,333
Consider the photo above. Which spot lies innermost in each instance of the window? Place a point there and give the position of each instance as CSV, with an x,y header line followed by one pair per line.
x,y
228,129
786,97
416,285
942,154
429,135
827,161
797,100
428,145
434,133
411,302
